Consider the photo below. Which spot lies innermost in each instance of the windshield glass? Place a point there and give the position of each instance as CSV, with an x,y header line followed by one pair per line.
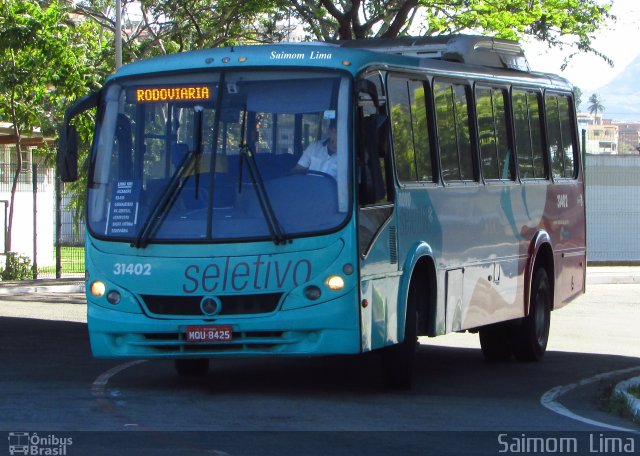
x,y
229,156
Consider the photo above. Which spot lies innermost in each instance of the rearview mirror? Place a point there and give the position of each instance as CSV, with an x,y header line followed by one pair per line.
x,y
68,148
68,154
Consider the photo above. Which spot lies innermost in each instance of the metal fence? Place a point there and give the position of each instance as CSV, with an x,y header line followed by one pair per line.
x,y
613,208
612,173
45,238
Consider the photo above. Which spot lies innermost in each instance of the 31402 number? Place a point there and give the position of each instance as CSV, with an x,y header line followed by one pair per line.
x,y
138,269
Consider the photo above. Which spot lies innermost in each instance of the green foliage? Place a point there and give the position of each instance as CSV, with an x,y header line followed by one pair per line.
x,y
577,95
46,61
18,267
556,22
170,26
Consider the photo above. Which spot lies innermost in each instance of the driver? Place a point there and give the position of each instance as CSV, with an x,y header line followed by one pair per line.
x,y
321,155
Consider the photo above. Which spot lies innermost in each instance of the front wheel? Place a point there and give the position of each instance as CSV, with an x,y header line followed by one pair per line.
x,y
529,339
398,360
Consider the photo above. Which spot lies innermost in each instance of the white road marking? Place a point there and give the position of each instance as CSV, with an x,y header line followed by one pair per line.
x,y
99,391
549,398
99,386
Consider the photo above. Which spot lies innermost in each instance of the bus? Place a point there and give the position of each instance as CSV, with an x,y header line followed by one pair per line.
x,y
453,201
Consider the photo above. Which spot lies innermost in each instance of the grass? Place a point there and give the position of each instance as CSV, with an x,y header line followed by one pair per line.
x,y
616,404
72,262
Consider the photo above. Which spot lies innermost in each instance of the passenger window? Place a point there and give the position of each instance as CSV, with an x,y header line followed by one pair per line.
x,y
495,151
402,130
420,130
452,120
410,130
561,141
528,134
568,152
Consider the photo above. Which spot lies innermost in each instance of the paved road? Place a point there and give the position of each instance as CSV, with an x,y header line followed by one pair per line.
x,y
51,385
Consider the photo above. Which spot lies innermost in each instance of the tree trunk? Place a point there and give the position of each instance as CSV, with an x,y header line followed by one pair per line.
x,y
14,188
16,174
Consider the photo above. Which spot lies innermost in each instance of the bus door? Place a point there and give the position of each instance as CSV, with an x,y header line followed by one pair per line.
x,y
377,238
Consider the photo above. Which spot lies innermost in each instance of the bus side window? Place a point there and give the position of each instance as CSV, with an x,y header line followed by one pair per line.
x,y
560,136
452,120
410,130
528,134
495,150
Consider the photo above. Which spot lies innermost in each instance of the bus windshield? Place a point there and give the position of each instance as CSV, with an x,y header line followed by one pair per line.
x,y
217,156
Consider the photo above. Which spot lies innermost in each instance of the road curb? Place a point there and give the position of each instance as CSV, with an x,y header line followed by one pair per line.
x,y
611,276
70,288
622,390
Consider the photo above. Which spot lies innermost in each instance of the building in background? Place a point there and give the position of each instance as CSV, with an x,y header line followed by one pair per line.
x,y
26,207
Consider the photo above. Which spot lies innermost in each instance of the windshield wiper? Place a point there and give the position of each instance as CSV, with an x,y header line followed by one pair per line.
x,y
165,202
171,192
247,156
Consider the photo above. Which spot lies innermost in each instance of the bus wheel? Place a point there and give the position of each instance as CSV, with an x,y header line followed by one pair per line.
x,y
397,360
494,342
192,367
530,338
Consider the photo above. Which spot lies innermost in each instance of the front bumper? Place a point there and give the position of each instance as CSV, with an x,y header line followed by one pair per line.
x,y
328,328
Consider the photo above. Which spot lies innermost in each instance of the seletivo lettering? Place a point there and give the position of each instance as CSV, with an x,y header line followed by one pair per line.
x,y
263,273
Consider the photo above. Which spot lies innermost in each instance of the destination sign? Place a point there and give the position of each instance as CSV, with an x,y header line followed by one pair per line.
x,y
175,93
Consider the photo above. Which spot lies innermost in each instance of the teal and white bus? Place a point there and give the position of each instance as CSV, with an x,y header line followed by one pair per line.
x,y
455,202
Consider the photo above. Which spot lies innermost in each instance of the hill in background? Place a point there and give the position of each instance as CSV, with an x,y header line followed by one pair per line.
x,y
621,96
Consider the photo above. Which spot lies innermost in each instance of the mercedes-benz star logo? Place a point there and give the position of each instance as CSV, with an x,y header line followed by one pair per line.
x,y
210,305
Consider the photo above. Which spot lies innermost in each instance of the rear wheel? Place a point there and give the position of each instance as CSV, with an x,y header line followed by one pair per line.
x,y
529,339
397,360
495,343
192,367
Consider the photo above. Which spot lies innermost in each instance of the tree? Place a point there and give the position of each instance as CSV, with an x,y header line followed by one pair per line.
x,y
595,105
170,26
577,95
167,26
45,61
556,22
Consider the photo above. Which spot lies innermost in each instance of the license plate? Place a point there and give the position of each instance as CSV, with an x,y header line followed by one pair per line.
x,y
218,333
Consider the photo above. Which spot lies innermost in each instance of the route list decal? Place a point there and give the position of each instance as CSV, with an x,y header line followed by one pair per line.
x,y
123,209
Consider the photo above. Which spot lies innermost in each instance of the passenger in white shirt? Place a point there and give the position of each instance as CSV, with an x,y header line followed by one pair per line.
x,y
321,155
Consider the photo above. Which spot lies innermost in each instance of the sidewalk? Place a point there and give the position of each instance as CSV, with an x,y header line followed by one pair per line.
x,y
63,285
599,275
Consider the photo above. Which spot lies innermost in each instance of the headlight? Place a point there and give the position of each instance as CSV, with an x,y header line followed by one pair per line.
x,y
97,289
335,283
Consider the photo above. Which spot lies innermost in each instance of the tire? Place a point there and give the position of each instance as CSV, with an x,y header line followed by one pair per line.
x,y
495,342
529,339
398,360
192,367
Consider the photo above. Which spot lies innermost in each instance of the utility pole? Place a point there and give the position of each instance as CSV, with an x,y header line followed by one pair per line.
x,y
118,34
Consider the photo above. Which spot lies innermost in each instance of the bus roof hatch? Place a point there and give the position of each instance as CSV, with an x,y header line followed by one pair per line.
x,y
469,49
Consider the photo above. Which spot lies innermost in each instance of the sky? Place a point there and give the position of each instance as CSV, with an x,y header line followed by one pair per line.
x,y
619,41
